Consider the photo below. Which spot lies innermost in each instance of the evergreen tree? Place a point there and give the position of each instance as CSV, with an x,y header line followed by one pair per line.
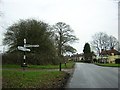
x,y
87,48
87,53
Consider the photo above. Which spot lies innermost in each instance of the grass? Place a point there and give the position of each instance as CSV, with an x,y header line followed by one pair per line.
x,y
68,66
32,79
14,77
109,65
11,66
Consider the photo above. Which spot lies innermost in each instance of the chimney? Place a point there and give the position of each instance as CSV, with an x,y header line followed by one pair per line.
x,y
102,49
112,48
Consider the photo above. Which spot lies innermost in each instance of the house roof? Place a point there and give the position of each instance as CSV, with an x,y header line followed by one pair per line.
x,y
109,52
77,55
80,55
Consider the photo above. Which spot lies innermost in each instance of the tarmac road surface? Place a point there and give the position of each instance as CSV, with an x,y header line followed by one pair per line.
x,y
93,76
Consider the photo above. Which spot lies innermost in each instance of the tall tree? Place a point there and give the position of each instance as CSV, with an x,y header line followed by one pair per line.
x,y
63,37
103,41
35,32
87,48
87,52
112,41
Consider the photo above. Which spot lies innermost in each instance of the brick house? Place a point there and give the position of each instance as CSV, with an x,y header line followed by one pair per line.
x,y
77,57
109,55
80,57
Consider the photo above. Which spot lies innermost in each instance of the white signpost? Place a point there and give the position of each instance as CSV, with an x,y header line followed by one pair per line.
x,y
31,45
25,49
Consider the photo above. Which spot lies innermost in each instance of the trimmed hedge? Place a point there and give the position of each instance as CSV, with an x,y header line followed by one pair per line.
x,y
117,61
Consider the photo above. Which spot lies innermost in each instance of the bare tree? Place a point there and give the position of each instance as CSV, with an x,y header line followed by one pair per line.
x,y
100,41
103,41
112,41
63,37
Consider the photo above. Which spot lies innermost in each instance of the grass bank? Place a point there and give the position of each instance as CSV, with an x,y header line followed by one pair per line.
x,y
33,79
68,66
108,65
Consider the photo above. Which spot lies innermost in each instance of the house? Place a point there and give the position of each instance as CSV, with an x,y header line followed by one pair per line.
x,y
109,55
77,57
80,57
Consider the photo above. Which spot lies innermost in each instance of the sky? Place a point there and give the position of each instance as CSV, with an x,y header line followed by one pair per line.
x,y
86,17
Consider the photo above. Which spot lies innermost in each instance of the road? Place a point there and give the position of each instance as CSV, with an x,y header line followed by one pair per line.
x,y
93,76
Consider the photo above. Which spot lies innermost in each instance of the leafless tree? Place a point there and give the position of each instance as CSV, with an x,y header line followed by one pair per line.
x,y
112,41
103,41
64,37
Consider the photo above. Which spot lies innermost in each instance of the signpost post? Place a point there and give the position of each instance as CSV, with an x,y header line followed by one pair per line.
x,y
25,49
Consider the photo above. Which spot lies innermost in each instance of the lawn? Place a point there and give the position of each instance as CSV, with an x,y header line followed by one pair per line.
x,y
109,65
14,77
32,79
68,66
11,66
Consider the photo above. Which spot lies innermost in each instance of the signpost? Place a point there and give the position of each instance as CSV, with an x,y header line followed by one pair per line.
x,y
25,49
31,45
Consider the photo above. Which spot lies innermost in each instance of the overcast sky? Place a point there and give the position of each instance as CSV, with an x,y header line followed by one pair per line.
x,y
86,17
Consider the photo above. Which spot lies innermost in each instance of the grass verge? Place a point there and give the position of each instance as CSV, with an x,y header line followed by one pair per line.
x,y
68,66
108,65
33,79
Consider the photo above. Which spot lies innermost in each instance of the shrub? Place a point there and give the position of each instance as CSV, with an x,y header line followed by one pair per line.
x,y
117,61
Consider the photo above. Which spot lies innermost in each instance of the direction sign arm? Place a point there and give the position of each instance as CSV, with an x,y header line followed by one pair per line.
x,y
31,45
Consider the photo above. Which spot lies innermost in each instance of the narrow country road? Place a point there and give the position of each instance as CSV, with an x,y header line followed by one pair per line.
x,y
93,76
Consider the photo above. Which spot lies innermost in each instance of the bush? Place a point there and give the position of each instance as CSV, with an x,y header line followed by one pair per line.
x,y
11,58
95,60
35,59
117,61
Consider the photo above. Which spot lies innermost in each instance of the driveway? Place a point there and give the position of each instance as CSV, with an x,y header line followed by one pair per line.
x,y
93,76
